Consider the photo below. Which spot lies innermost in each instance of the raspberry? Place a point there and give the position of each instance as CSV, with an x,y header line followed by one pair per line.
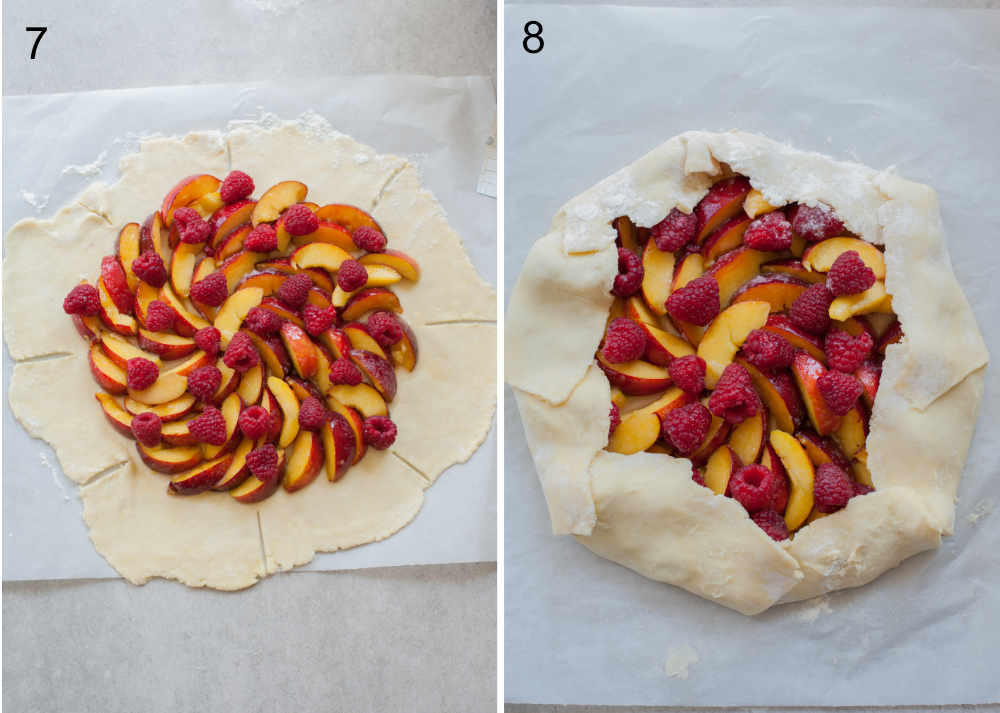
x,y
752,486
379,432
159,316
209,427
369,239
846,353
82,299
686,427
312,414
262,239
771,231
149,268
675,231
815,223
849,275
343,371
630,272
263,463
688,374
299,220
384,329
241,354
696,475
861,488
831,488
772,523
810,310
839,390
142,373
212,290
734,398
204,381
208,340
624,340
262,321
236,186
254,422
146,427
767,350
351,276
191,227
615,418
697,302
318,319
294,290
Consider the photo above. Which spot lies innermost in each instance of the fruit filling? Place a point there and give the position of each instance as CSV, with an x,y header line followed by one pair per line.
x,y
247,344
749,338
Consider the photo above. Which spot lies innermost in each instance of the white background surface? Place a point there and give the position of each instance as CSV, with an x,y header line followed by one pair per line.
x,y
404,638
921,91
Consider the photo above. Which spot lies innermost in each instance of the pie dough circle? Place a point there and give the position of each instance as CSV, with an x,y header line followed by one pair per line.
x,y
643,511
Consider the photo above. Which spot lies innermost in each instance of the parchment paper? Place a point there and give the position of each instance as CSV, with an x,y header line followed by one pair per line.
x,y
920,90
54,145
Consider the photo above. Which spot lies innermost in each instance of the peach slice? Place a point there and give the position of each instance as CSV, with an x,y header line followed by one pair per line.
x,y
635,378
635,309
800,474
284,266
144,294
205,268
859,469
359,338
109,375
397,260
274,305
118,417
637,432
274,362
339,343
207,205
627,235
112,317
178,433
718,431
770,460
305,462
228,218
182,266
326,233
892,335
748,438
404,353
726,237
254,490
726,334
234,243
318,298
236,267
775,398
618,398
821,256
348,216
807,371
370,300
363,397
850,435
322,255
723,201
338,446
169,411
781,325
356,424
238,470
167,387
300,349
168,346
754,204
195,361
671,399
235,309
251,385
323,361
187,191
230,382
88,327
869,374
289,408
164,459
822,449
793,268
658,267
721,466
151,236
798,246
120,350
128,250
276,199
690,267
268,281
116,284
303,389
378,370
874,299
231,408
735,269
200,478
779,291
270,404
187,323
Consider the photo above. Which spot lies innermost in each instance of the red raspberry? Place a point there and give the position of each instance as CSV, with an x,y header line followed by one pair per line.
x,y
810,310
772,523
343,371
767,350
241,354
839,390
697,302
615,418
212,290
159,316
208,340
630,272
753,486
624,340
846,353
262,321
147,428
384,328
204,381
299,220
696,476
254,422
262,239
734,398
831,488
312,414
263,463
149,268
294,291
771,231
369,239
379,432
849,275
82,299
141,373
688,374
815,223
318,319
351,276
861,489
235,187
209,427
191,227
686,427
675,231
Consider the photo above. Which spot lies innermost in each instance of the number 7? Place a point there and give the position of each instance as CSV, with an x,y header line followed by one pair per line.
x,y
41,33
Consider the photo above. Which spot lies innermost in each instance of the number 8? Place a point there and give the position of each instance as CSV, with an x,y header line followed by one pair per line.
x,y
537,34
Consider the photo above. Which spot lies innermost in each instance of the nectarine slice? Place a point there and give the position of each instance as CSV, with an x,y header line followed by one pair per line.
x,y
363,397
304,462
118,417
821,256
169,411
323,255
874,299
109,375
338,446
187,191
397,260
201,477
726,334
755,204
235,309
276,199
635,378
348,216
721,466
289,408
238,470
636,432
658,269
800,474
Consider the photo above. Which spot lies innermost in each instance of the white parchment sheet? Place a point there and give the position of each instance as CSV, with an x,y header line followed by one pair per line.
x,y
54,145
920,90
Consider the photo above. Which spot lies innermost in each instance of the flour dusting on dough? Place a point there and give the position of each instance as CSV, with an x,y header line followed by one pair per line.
x,y
34,200
56,478
679,658
983,509
87,169
812,609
